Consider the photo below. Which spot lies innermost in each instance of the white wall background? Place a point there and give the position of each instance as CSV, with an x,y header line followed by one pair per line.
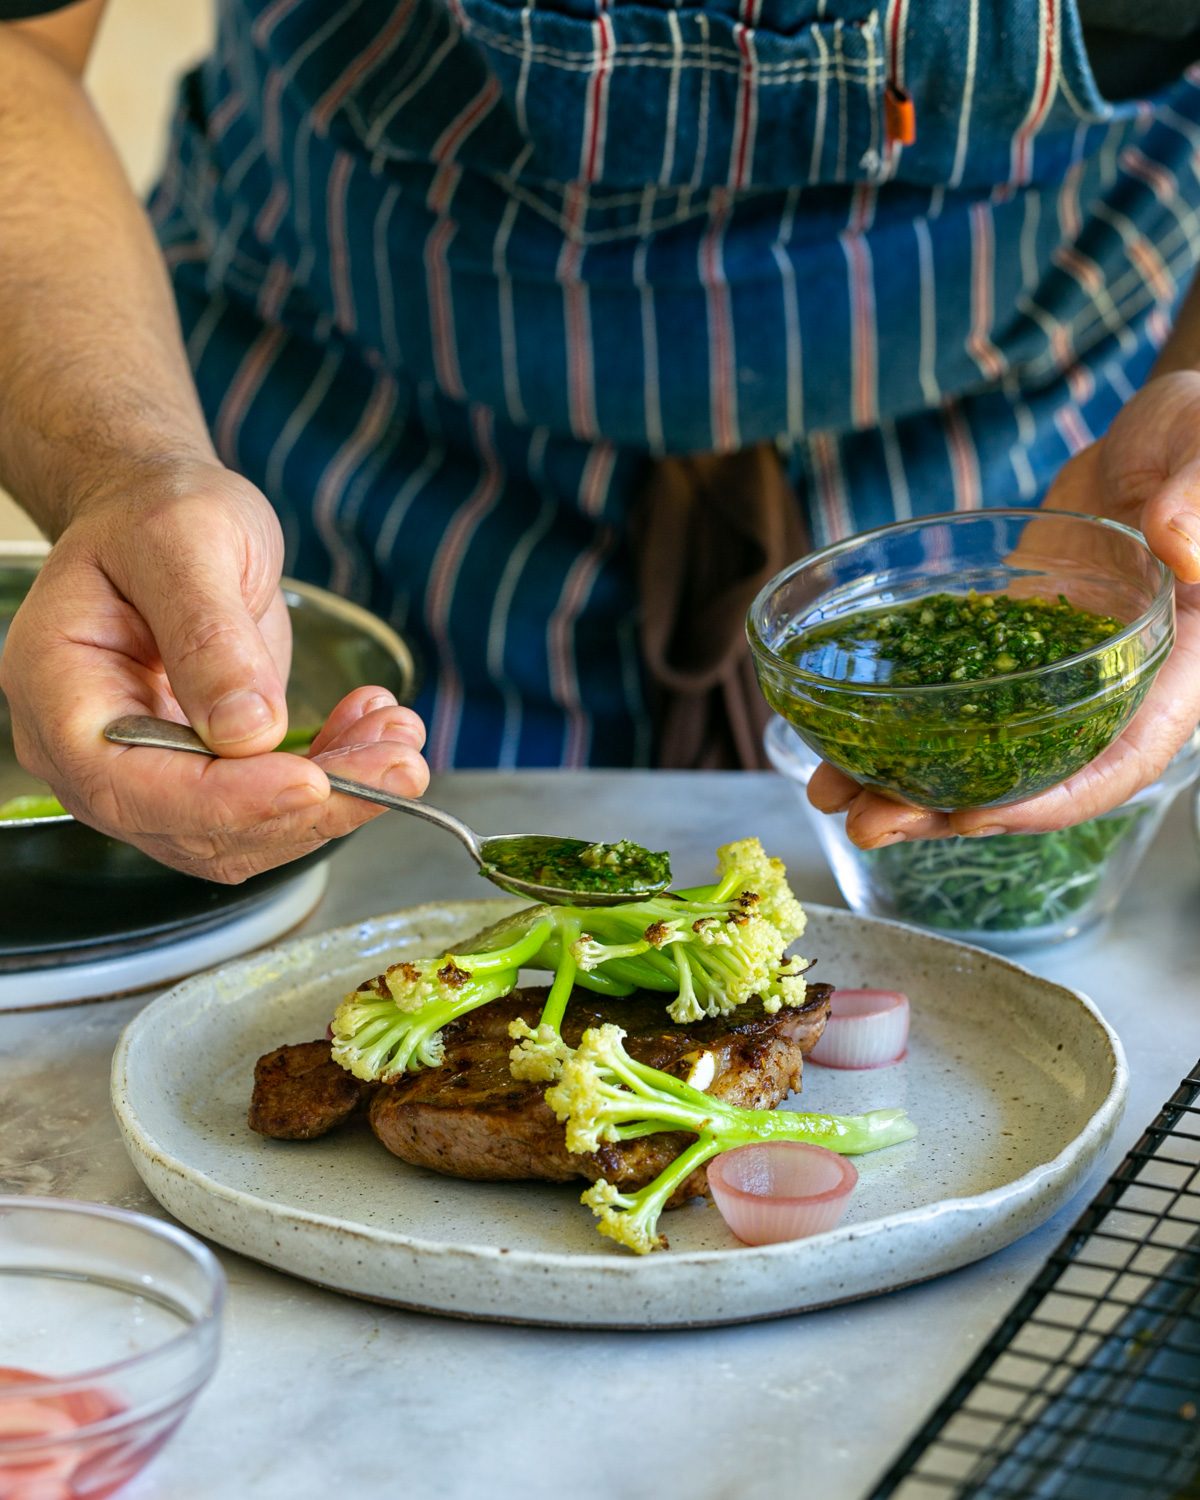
x,y
142,48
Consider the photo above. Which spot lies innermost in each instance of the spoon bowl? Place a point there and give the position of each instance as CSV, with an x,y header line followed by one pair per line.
x,y
501,857
534,849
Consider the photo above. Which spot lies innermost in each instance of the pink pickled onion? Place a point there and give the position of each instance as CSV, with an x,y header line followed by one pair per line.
x,y
866,1029
40,1447
780,1190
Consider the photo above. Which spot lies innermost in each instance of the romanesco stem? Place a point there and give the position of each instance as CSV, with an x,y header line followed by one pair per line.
x,y
639,1077
663,1114
603,984
652,971
511,957
701,1150
564,979
850,1135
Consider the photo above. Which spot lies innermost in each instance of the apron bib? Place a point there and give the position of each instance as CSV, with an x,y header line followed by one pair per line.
x,y
451,271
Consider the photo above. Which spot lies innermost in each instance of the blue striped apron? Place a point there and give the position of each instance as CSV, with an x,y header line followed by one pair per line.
x,y
450,271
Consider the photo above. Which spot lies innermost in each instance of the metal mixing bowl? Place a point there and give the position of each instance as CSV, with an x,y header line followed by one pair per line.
x,y
68,892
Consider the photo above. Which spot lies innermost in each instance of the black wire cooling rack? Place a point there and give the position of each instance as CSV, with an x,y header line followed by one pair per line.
x,y
1090,1389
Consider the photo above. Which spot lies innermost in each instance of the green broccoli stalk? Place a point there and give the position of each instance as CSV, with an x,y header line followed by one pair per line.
x,y
394,1023
604,1096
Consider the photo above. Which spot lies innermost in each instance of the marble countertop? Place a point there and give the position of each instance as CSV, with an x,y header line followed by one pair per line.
x,y
317,1394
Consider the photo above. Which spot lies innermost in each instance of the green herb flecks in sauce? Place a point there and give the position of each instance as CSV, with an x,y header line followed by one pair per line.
x,y
572,865
1014,737
950,638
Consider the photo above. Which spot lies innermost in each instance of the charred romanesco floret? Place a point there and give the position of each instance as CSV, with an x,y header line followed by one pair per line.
x,y
714,947
604,1096
539,1053
394,1023
709,949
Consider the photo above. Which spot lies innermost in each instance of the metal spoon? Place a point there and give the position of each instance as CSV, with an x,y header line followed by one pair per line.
x,y
488,853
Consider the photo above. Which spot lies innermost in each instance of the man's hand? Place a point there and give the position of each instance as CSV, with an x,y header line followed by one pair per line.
x,y
1145,472
162,593
162,597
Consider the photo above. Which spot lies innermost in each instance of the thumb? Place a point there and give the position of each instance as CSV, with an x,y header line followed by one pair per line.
x,y
217,658
1171,523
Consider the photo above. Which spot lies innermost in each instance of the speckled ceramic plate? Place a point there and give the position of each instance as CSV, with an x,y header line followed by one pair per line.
x,y
1015,1083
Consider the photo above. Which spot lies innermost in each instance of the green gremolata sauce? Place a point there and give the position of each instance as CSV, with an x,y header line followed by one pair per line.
x,y
1008,740
570,864
950,638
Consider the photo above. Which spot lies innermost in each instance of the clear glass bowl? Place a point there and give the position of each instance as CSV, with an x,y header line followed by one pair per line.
x,y
1008,892
109,1326
981,742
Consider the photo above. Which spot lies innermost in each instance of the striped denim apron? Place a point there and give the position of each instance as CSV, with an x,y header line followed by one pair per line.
x,y
450,270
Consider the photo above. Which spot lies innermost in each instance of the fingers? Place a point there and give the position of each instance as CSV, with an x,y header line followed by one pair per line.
x,y
831,790
368,714
200,563
387,764
1139,757
275,627
1161,727
1171,523
1102,785
217,659
873,820
174,610
234,817
225,819
230,818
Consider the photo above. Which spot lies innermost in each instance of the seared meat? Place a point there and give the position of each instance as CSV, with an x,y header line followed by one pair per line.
x,y
472,1118
300,1093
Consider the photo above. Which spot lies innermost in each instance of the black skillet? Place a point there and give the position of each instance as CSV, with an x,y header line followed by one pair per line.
x,y
70,894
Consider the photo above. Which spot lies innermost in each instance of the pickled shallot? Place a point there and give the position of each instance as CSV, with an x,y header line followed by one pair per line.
x,y
40,1448
866,1029
780,1190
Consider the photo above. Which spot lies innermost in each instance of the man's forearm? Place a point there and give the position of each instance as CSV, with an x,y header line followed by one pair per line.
x,y
94,382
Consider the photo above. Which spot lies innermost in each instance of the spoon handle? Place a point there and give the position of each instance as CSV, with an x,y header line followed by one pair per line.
x,y
164,734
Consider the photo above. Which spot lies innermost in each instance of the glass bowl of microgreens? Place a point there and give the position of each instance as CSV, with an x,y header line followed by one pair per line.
x,y
965,660
1009,892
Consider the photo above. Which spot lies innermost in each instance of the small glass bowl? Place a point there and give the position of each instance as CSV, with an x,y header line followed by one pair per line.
x,y
1009,892
982,742
109,1326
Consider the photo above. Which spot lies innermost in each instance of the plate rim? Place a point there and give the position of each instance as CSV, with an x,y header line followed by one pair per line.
x,y
1101,1123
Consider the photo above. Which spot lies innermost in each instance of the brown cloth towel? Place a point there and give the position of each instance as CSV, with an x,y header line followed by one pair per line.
x,y
710,530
